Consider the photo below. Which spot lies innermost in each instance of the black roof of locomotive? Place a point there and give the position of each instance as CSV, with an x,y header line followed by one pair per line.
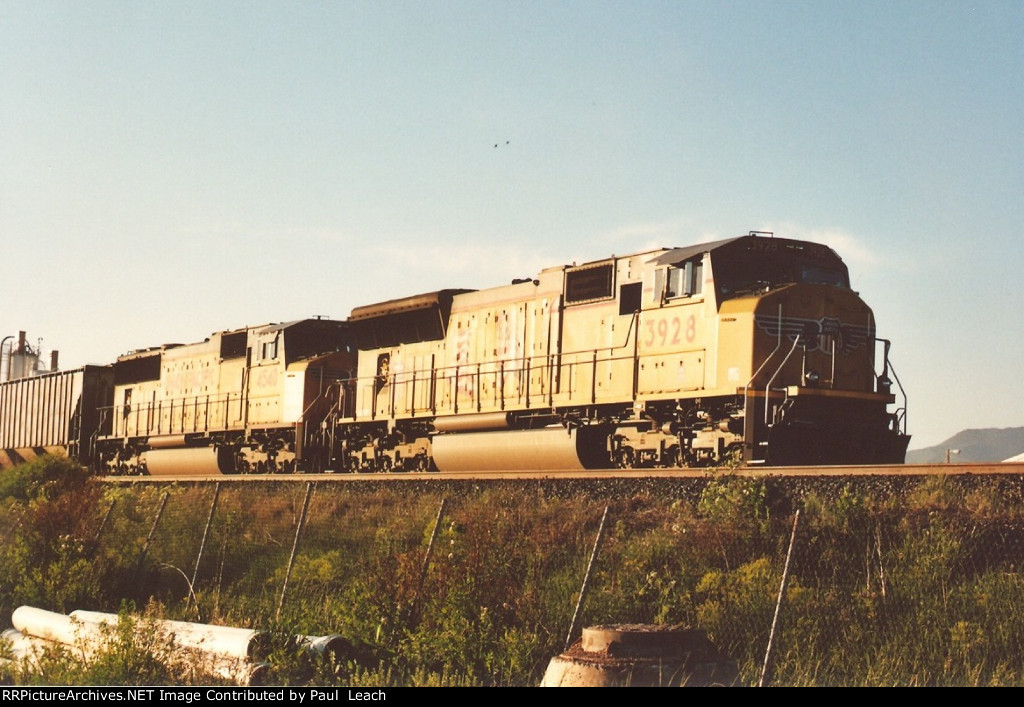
x,y
678,255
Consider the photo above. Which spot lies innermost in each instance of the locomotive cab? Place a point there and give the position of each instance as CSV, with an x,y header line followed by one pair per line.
x,y
756,347
809,387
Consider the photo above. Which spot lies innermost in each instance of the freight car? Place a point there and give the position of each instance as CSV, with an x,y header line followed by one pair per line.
x,y
752,348
59,412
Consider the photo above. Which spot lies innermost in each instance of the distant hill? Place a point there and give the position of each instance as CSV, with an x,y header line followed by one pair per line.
x,y
989,445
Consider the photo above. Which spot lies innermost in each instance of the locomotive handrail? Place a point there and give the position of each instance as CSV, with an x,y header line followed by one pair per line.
x,y
746,388
767,390
307,435
901,413
96,432
154,413
832,372
634,328
527,364
331,418
524,366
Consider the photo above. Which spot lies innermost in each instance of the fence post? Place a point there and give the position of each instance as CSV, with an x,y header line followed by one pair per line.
x,y
882,580
10,531
295,546
202,548
586,580
426,558
206,532
152,532
766,667
106,519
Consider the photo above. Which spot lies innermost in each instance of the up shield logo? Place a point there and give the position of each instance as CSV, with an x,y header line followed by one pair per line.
x,y
817,334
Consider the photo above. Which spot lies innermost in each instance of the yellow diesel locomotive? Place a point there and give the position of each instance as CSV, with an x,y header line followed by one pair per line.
x,y
250,400
752,348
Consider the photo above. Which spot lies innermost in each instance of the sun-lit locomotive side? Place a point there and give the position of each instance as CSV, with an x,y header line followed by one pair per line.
x,y
250,400
753,348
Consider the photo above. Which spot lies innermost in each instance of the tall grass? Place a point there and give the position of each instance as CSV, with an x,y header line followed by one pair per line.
x,y
916,587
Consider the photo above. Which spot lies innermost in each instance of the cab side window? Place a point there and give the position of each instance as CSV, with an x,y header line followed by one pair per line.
x,y
685,279
269,350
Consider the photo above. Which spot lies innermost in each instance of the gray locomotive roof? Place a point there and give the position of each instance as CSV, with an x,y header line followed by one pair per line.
x,y
441,298
281,326
267,328
678,255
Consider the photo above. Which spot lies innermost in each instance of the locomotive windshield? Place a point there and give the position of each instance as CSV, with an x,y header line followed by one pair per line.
x,y
762,264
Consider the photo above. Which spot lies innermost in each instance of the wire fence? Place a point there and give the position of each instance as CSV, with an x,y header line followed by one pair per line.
x,y
482,584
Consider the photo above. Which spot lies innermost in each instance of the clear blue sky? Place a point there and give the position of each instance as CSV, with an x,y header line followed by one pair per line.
x,y
169,169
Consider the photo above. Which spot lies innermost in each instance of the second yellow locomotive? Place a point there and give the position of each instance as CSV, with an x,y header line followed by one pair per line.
x,y
257,399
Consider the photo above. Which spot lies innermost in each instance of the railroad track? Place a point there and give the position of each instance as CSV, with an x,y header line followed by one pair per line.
x,y
882,470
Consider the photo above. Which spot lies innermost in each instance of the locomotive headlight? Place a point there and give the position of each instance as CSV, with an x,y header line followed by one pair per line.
x,y
812,377
884,383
